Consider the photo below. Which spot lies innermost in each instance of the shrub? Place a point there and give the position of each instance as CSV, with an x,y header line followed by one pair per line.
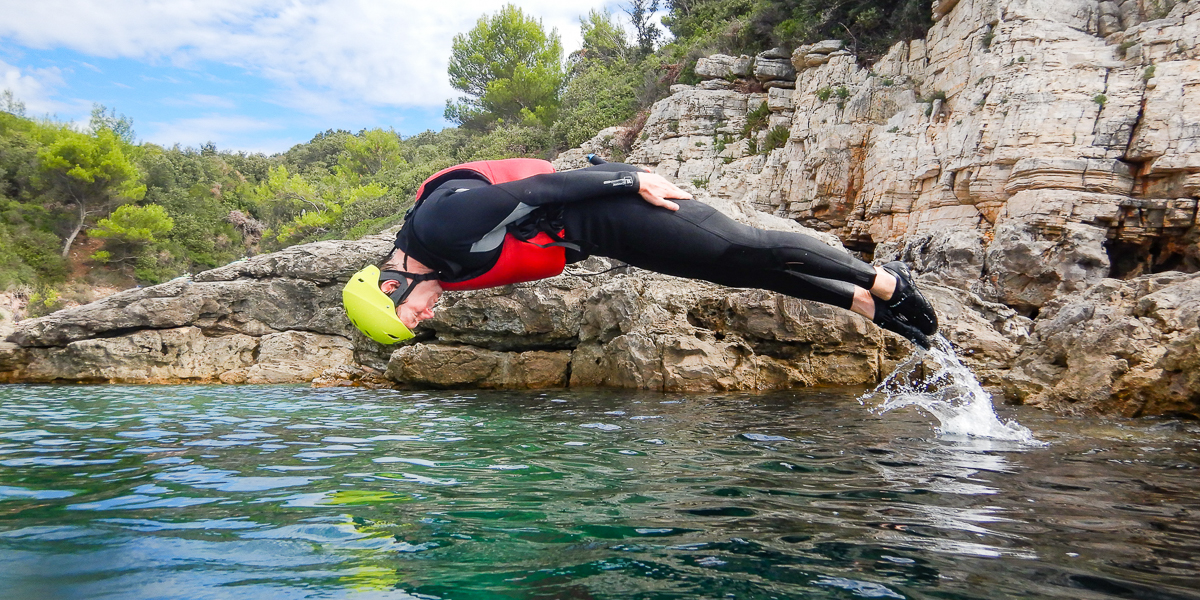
x,y
598,96
776,138
508,141
757,119
736,26
43,302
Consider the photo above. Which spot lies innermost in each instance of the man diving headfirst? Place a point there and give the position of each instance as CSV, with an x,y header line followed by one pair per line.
x,y
493,223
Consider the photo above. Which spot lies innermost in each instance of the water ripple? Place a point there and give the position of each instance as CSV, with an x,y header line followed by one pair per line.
x,y
287,492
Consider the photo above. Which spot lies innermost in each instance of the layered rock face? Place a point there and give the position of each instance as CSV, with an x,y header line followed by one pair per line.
x,y
1037,162
1060,130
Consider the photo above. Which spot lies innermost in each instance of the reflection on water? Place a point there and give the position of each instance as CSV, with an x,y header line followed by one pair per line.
x,y
291,492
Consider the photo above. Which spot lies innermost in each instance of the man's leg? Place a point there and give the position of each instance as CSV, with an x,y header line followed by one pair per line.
x,y
699,242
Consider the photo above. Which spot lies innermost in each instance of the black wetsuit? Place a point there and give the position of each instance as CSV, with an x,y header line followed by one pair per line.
x,y
458,229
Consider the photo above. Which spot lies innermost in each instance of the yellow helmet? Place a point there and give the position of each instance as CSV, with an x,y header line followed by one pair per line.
x,y
371,310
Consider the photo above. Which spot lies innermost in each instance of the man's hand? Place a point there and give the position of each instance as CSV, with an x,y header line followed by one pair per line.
x,y
656,189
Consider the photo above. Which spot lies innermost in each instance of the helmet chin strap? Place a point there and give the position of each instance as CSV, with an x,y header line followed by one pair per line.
x,y
404,288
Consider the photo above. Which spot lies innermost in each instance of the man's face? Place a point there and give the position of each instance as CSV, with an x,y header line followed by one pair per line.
x,y
419,304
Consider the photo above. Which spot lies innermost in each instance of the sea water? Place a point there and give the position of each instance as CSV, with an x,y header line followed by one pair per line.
x,y
189,492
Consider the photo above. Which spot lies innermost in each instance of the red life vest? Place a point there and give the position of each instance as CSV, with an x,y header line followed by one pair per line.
x,y
520,260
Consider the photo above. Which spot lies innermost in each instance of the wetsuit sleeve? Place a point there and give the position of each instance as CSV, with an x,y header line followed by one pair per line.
x,y
551,188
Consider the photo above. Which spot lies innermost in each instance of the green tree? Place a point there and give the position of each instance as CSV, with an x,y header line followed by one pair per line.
x,y
510,69
199,191
129,229
105,118
690,20
369,153
599,95
10,104
284,195
603,39
641,13
319,154
602,90
91,171
29,248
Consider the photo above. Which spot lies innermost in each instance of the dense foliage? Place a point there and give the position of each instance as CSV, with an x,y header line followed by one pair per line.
x,y
94,204
751,26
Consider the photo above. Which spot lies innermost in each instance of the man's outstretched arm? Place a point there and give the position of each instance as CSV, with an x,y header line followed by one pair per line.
x,y
563,187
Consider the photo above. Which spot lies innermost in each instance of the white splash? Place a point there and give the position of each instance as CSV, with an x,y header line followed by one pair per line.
x,y
950,392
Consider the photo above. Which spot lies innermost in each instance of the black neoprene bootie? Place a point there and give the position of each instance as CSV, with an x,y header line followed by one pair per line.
x,y
907,303
885,318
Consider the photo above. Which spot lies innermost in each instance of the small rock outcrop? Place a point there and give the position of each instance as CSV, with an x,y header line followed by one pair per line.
x,y
274,318
1125,347
774,69
815,55
721,66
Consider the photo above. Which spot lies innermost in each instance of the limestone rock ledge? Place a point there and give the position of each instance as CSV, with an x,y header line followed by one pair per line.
x,y
1065,127
275,318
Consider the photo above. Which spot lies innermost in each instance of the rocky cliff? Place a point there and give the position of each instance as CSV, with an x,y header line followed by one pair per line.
x,y
1038,162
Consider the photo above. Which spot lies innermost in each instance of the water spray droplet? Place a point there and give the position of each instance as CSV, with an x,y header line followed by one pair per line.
x,y
949,392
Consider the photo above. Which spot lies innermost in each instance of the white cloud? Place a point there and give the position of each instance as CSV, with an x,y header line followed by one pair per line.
x,y
37,88
327,56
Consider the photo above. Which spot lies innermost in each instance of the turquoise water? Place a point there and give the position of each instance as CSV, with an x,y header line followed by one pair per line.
x,y
293,492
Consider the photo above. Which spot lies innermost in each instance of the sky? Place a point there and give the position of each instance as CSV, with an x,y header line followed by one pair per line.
x,y
250,75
